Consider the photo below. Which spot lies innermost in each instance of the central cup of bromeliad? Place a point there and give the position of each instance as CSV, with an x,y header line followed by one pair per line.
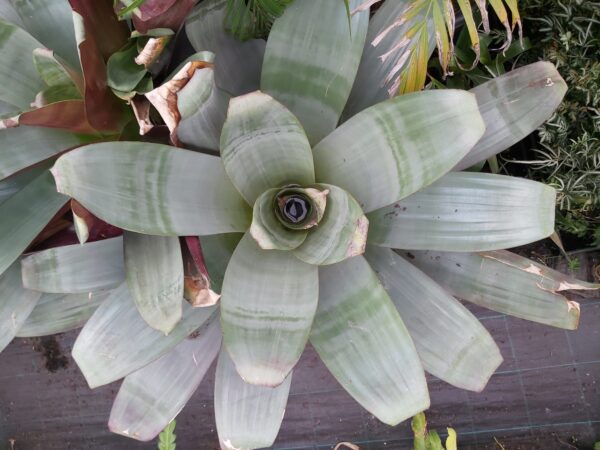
x,y
295,207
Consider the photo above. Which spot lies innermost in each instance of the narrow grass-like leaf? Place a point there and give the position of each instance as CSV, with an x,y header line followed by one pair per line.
x,y
360,337
51,23
467,12
203,108
266,229
263,146
57,313
267,307
466,212
238,64
24,216
154,268
152,396
16,303
191,195
76,268
311,69
395,148
18,87
116,341
247,416
504,282
393,37
513,106
451,342
341,233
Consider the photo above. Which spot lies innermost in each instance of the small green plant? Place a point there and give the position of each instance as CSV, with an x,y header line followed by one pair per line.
x,y
425,439
166,438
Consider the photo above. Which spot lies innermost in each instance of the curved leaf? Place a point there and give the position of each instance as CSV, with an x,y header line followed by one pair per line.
x,y
57,313
116,341
75,268
9,14
152,396
16,303
341,233
465,212
395,148
310,69
513,106
360,337
154,268
160,190
12,185
504,282
238,64
24,216
247,416
267,307
263,146
217,250
451,342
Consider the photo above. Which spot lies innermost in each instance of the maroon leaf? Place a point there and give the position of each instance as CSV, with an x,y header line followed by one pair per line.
x,y
162,14
95,229
68,115
196,279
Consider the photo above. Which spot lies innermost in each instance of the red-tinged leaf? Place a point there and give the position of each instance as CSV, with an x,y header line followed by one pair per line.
x,y
54,234
67,115
90,228
197,286
162,14
102,35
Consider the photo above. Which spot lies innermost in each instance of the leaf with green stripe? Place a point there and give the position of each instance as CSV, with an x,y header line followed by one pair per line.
x,y
152,396
504,282
466,212
263,146
58,313
362,340
24,216
247,416
451,342
116,341
311,69
513,106
16,303
397,147
267,306
341,233
154,268
160,190
72,269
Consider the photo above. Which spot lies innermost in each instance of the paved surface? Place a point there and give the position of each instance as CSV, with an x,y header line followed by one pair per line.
x,y
544,396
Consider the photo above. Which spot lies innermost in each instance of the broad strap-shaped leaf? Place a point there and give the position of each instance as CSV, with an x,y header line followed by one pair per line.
x,y
9,14
203,108
24,216
341,233
504,282
116,341
16,303
57,313
10,186
395,148
152,396
393,36
22,147
310,69
362,340
263,146
18,87
268,302
513,106
466,212
51,23
72,269
68,115
154,268
217,250
55,71
159,189
268,231
238,64
247,416
451,342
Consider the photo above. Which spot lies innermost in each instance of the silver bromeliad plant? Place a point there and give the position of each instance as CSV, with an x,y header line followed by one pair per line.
x,y
298,192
